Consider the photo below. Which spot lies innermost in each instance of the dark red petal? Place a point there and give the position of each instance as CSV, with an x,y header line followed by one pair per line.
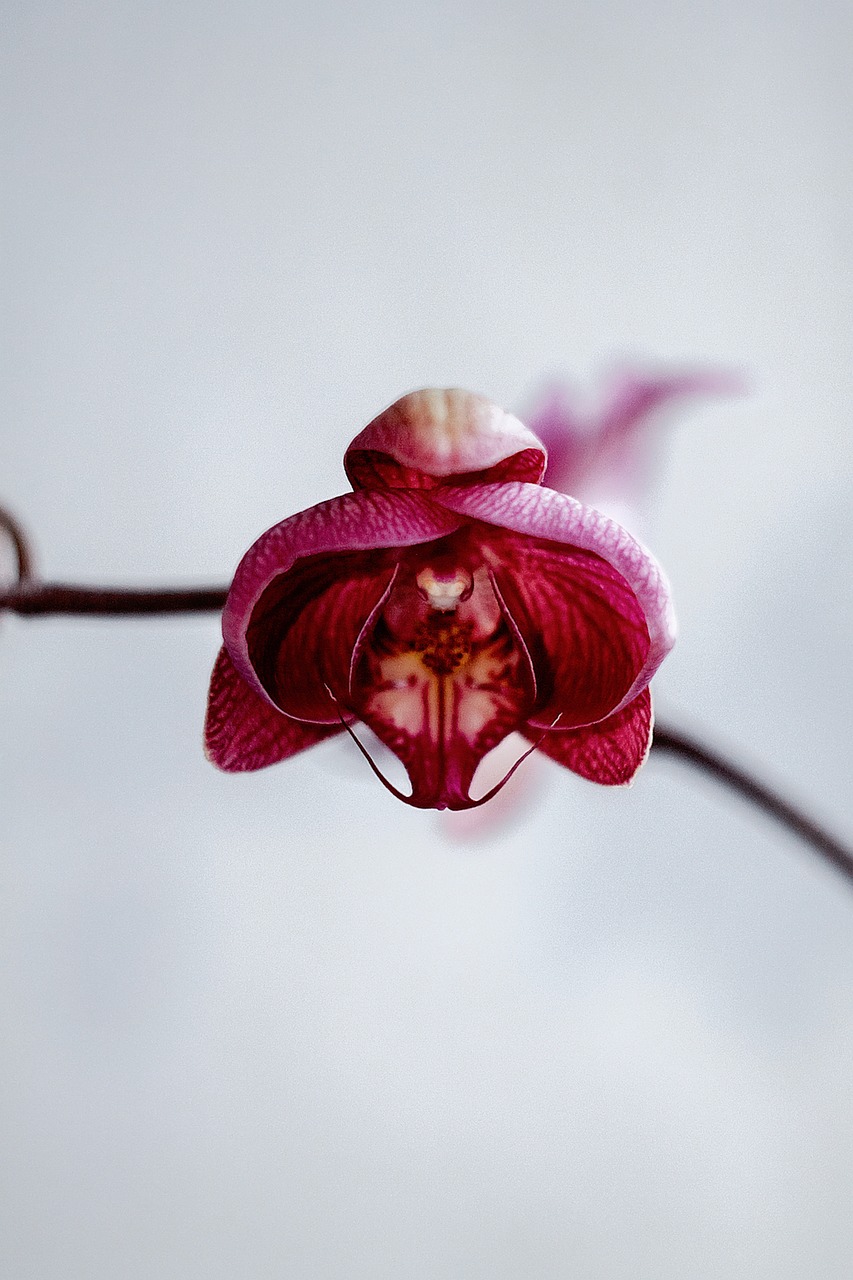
x,y
242,731
371,469
581,623
609,752
305,628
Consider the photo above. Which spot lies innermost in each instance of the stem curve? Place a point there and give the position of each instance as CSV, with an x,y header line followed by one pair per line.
x,y
693,752
23,552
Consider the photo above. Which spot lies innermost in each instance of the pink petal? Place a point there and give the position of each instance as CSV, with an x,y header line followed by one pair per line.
x,y
242,731
543,514
609,752
580,622
355,522
429,436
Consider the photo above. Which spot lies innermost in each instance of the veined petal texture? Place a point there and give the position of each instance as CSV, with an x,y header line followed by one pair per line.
x,y
242,731
554,517
359,521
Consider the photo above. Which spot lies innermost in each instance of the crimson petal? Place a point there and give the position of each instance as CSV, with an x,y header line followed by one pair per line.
x,y
581,623
243,732
304,630
609,752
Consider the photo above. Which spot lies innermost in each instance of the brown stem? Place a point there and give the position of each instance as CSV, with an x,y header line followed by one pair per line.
x,y
52,597
23,553
708,761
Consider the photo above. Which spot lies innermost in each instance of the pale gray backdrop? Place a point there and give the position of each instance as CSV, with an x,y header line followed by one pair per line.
x,y
279,1025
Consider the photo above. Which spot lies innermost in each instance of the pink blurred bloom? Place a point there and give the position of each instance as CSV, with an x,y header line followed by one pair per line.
x,y
607,454
449,600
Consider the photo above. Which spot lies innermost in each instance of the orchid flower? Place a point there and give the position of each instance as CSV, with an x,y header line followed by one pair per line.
x,y
448,601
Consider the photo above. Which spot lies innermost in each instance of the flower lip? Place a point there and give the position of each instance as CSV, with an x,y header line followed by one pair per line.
x,y
429,437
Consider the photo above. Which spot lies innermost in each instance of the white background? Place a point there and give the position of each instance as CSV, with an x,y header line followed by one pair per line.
x,y
279,1025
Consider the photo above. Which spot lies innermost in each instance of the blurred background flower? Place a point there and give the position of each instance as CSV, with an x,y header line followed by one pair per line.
x,y
604,452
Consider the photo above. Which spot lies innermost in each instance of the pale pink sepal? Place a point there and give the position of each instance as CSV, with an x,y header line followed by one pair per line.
x,y
430,435
541,513
354,522
243,732
610,752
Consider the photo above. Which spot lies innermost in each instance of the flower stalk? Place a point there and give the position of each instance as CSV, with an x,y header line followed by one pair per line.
x,y
30,598
688,749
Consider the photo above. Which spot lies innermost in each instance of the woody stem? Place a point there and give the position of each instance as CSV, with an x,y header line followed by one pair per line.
x,y
667,739
31,598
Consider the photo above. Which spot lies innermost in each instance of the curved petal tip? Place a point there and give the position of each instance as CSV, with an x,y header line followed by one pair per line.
x,y
610,752
429,436
243,732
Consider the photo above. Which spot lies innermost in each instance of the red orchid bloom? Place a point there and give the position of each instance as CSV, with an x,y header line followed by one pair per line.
x,y
448,601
